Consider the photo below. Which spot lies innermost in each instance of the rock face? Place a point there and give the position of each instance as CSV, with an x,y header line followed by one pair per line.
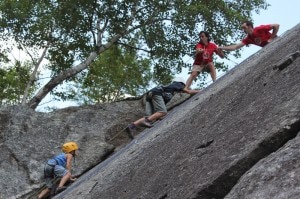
x,y
29,138
238,138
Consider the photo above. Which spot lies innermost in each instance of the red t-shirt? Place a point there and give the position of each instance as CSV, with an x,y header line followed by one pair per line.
x,y
259,37
206,56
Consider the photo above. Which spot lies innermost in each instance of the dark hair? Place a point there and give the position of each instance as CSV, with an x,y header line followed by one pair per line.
x,y
248,23
206,34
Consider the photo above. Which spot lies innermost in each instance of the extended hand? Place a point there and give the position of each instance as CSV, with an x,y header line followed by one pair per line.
x,y
199,50
272,38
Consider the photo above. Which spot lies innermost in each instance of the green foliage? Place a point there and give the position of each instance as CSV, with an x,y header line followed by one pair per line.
x,y
165,31
116,73
13,81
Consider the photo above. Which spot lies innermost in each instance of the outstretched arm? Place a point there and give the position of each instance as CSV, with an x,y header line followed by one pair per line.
x,y
185,90
69,165
220,53
232,47
69,161
275,28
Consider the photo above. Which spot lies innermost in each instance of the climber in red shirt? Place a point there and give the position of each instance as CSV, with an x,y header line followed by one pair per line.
x,y
204,58
259,36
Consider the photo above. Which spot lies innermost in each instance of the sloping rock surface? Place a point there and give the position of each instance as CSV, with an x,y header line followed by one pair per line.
x,y
238,138
276,176
205,146
29,138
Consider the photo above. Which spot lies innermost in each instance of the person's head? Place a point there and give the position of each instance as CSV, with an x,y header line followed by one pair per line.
x,y
247,26
70,147
204,37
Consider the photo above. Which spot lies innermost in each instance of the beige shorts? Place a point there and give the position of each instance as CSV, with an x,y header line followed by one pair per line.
x,y
200,68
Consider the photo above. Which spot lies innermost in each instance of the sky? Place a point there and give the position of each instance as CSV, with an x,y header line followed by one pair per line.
x,y
285,13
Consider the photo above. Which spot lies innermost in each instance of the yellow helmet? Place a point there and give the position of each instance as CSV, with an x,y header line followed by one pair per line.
x,y
69,146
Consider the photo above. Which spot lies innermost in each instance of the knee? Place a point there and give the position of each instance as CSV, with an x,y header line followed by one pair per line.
x,y
211,66
68,175
194,74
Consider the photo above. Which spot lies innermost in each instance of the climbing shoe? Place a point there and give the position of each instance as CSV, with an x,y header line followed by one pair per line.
x,y
146,124
129,131
60,189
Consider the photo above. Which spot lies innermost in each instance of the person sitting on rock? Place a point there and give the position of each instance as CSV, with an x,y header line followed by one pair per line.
x,y
156,100
59,166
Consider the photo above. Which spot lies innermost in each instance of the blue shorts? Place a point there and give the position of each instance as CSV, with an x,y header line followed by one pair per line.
x,y
51,171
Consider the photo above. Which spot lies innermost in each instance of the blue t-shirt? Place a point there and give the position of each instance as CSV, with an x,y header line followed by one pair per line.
x,y
58,160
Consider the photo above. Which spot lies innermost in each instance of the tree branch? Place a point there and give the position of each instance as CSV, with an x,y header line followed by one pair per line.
x,y
33,75
133,47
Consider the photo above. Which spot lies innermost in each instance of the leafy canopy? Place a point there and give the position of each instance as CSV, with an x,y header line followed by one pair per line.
x,y
13,80
78,31
116,74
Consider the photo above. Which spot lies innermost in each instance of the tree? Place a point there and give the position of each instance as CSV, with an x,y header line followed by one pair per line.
x,y
13,80
116,73
78,31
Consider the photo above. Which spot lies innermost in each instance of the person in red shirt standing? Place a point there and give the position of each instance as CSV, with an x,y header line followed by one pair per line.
x,y
204,58
259,36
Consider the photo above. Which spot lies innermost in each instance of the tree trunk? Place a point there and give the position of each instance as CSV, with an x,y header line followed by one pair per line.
x,y
34,102
33,75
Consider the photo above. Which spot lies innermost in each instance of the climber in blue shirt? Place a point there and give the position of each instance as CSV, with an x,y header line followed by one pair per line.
x,y
59,166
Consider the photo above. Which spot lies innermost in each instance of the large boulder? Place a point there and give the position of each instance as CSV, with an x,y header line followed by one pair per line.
x,y
237,138
235,127
29,138
276,176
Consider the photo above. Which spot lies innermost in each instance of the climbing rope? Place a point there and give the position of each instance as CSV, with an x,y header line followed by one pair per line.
x,y
36,193
116,135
